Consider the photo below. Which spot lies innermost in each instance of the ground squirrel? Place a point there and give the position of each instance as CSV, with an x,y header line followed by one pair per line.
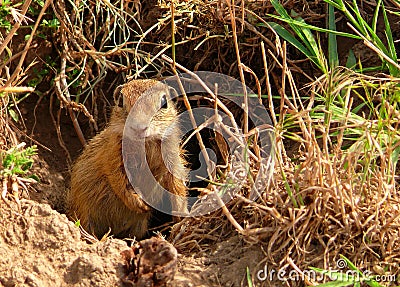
x,y
101,196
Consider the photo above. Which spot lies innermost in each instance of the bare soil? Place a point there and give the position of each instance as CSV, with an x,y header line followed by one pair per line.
x,y
41,247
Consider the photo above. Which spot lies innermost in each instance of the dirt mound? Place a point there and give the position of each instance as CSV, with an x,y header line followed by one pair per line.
x,y
40,247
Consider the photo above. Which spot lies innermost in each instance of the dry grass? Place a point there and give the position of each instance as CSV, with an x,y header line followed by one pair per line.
x,y
327,204
334,200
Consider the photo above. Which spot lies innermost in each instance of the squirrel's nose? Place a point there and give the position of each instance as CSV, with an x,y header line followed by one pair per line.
x,y
141,131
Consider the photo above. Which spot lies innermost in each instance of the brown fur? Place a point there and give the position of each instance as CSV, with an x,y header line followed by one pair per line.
x,y
101,196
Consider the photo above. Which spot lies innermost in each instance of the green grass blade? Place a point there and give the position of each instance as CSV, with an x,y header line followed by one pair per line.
x,y
342,7
308,38
282,32
394,157
373,283
280,9
249,281
311,27
360,20
285,34
373,37
389,36
351,60
336,5
335,284
333,57
369,31
340,278
284,15
351,265
394,71
376,14
304,34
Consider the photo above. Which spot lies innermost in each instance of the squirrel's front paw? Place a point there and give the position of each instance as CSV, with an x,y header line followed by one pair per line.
x,y
137,204
142,205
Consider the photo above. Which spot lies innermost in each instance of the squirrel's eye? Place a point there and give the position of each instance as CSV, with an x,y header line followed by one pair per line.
x,y
163,103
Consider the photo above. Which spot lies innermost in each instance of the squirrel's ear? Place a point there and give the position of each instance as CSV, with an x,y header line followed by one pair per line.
x,y
173,93
118,98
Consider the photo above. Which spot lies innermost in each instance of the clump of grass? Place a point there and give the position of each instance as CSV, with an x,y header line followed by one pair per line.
x,y
5,10
339,192
17,160
307,43
16,164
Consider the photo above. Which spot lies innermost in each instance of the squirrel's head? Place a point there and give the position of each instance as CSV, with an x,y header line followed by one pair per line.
x,y
151,112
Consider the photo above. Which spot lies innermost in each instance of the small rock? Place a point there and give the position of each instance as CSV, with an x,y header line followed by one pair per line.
x,y
151,263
